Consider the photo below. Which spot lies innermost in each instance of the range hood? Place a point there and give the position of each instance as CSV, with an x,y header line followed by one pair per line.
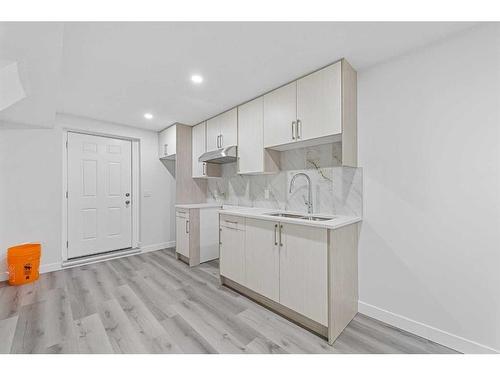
x,y
220,156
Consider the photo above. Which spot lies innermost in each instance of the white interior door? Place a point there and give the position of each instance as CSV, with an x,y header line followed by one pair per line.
x,y
99,194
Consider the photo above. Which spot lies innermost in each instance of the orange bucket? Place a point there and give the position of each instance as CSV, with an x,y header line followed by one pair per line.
x,y
23,262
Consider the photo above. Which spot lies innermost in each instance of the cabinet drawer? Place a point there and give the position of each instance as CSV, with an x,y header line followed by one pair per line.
x,y
182,213
232,222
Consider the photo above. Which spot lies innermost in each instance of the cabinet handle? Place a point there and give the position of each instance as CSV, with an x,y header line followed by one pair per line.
x,y
293,129
275,234
281,229
187,226
218,137
204,172
221,140
232,222
299,129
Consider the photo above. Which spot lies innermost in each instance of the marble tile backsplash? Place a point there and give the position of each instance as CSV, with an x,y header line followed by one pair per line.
x,y
335,189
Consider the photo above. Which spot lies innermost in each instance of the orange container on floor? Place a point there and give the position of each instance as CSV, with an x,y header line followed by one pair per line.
x,y
24,262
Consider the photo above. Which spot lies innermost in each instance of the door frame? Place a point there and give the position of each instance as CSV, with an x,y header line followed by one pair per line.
x,y
136,187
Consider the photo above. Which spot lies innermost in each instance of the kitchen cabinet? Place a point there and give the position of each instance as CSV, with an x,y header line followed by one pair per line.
x,y
197,239
252,157
303,271
232,248
199,169
198,148
262,257
222,130
319,103
167,142
182,233
316,109
280,116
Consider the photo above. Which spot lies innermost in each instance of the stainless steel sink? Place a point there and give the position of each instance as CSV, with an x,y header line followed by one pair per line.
x,y
317,218
283,214
301,217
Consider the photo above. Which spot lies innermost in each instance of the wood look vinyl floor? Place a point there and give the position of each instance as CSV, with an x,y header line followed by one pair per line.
x,y
152,303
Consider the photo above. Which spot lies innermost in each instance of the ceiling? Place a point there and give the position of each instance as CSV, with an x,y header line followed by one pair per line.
x,y
118,71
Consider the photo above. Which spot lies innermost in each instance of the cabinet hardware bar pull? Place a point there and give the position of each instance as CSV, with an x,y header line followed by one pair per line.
x,y
204,169
187,226
221,140
299,129
281,229
232,222
293,129
275,234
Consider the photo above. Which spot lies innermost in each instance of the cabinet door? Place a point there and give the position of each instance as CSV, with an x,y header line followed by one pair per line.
x,y
250,136
303,271
198,148
232,253
319,103
213,133
280,113
262,257
182,236
228,126
171,139
162,141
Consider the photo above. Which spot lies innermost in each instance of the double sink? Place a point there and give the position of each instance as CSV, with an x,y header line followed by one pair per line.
x,y
300,217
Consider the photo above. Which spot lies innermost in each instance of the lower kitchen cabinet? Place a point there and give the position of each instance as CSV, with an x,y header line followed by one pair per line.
x,y
262,257
303,271
182,233
232,248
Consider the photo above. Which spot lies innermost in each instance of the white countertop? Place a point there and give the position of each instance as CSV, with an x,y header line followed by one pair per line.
x,y
198,205
335,222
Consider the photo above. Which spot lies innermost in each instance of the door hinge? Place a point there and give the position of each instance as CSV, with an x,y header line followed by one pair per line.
x,y
67,244
66,195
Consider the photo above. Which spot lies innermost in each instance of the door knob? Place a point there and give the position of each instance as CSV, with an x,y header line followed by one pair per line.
x,y
127,194
127,202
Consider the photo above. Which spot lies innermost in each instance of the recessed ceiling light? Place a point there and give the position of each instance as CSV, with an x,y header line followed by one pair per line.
x,y
196,78
148,116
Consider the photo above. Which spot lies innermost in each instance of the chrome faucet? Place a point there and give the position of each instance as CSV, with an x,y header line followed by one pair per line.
x,y
309,202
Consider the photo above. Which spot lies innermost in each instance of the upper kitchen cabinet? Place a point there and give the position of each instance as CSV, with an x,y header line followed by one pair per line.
x,y
316,109
199,147
319,104
280,116
253,157
222,130
167,143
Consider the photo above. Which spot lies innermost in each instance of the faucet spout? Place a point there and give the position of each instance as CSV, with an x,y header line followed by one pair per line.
x,y
309,202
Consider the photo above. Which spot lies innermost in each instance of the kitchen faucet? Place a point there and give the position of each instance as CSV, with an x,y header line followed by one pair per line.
x,y
309,202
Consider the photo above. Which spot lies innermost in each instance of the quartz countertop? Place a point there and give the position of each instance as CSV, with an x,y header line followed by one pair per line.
x,y
198,205
336,221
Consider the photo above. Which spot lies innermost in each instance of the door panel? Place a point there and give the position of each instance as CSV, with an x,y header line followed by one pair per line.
x,y
199,145
250,135
99,177
228,125
232,254
262,258
280,111
182,236
213,132
303,271
319,103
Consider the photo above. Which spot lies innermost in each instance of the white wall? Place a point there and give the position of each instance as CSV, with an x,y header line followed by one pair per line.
x,y
429,144
31,188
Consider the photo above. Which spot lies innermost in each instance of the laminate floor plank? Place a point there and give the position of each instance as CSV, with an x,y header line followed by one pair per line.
x,y
7,330
154,303
91,336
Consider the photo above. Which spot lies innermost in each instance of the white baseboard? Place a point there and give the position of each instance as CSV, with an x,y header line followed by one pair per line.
x,y
423,330
159,246
51,267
